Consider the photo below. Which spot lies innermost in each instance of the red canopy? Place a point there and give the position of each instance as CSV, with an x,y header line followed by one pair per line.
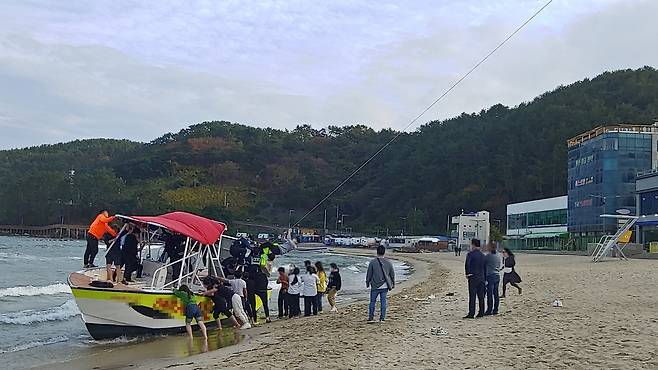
x,y
201,229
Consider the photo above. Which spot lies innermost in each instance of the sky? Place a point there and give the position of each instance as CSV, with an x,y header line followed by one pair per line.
x,y
139,69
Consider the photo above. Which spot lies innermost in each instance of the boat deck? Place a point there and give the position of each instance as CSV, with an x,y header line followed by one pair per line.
x,y
84,279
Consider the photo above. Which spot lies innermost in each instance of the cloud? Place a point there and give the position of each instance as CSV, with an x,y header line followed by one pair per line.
x,y
136,70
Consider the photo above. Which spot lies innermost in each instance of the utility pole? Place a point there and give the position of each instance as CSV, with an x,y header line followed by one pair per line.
x,y
324,229
336,219
290,217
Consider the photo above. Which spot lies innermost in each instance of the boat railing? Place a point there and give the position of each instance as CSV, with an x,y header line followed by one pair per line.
x,y
205,256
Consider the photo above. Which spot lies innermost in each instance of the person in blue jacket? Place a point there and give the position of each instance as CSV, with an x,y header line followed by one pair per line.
x,y
475,273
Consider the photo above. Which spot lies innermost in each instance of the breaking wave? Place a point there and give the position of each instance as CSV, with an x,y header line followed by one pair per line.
x,y
29,290
26,317
38,343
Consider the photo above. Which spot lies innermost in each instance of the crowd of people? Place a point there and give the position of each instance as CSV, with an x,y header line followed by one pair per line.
x,y
483,274
249,270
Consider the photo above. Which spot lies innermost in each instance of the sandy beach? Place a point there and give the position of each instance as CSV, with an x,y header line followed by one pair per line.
x,y
609,320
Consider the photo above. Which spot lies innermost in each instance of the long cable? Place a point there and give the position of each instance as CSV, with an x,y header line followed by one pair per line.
x,y
462,78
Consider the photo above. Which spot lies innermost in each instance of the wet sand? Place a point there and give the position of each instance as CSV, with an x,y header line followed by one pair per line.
x,y
609,320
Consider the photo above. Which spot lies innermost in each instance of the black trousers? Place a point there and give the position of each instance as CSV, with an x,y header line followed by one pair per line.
x,y
310,303
293,305
475,289
131,263
262,294
91,251
282,304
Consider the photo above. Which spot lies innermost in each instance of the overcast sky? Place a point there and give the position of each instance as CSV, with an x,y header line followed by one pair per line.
x,y
138,69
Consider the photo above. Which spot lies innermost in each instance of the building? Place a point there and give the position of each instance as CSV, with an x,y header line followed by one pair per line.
x,y
646,186
472,226
602,166
537,224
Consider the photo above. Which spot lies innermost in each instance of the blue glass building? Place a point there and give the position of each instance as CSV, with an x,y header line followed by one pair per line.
x,y
603,164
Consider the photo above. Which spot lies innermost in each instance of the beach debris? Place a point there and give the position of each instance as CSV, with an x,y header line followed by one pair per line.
x,y
431,296
557,303
405,296
438,331
450,294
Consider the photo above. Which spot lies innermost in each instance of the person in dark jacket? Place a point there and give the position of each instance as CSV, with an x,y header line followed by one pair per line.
x,y
475,273
257,287
129,257
510,276
333,286
174,246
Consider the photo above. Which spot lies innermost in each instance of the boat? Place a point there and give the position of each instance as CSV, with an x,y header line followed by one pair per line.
x,y
148,306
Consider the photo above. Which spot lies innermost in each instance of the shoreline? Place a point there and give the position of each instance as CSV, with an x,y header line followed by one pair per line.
x,y
608,321
245,341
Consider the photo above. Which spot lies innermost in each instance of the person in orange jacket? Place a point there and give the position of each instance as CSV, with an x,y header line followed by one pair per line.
x,y
97,229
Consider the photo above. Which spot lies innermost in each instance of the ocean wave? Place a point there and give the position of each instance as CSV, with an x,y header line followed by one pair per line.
x,y
38,343
29,290
26,317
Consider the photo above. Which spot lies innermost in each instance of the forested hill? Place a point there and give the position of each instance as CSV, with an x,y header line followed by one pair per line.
x,y
231,171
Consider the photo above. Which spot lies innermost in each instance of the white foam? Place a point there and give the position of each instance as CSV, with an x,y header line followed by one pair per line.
x,y
26,317
29,290
38,343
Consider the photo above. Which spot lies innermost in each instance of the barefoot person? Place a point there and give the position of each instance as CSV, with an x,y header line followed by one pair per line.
x,y
380,278
475,273
192,310
510,276
97,229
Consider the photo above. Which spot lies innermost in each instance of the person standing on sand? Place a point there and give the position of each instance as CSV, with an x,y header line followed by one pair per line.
x,y
310,291
322,284
492,264
475,273
334,285
95,233
282,300
380,278
294,289
510,276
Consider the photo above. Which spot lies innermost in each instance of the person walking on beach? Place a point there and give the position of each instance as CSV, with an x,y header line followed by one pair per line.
x,y
282,300
310,291
509,273
475,273
258,288
492,264
294,289
192,310
380,278
333,286
97,229
322,284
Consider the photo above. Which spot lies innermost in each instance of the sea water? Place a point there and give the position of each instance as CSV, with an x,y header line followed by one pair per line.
x,y
40,320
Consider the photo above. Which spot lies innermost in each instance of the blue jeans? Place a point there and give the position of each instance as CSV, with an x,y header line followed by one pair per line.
x,y
373,300
493,299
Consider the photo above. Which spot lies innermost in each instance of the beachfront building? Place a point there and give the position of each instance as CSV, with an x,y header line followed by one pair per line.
x,y
602,166
537,224
646,186
472,226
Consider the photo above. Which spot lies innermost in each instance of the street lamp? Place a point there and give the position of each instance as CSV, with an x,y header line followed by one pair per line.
x,y
404,226
290,217
342,221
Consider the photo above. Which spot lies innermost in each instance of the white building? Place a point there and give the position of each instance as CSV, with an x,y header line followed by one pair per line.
x,y
537,224
472,226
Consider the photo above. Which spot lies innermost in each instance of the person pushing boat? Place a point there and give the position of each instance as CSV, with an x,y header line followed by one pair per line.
x,y
97,229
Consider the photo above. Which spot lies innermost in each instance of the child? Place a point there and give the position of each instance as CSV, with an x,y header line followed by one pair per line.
x,y
333,286
192,310
282,301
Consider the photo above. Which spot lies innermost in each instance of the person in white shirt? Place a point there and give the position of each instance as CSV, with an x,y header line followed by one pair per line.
x,y
310,291
239,286
294,289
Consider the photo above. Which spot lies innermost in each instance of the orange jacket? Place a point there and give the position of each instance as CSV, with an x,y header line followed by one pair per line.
x,y
100,226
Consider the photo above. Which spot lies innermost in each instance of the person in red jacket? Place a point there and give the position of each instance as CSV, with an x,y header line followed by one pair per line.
x,y
97,229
